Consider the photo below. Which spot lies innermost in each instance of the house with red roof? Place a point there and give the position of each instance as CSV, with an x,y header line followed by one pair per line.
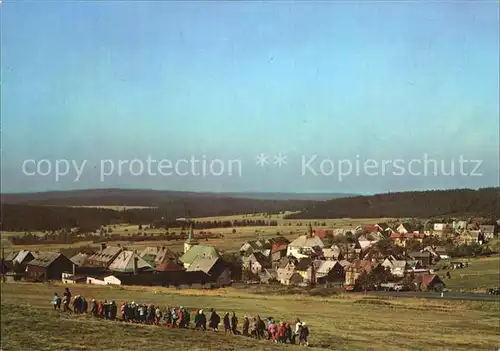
x,y
278,251
323,233
429,282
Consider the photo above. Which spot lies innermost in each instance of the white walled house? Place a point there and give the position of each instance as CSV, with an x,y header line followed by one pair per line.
x,y
112,280
68,278
109,280
95,281
304,246
397,267
439,227
365,242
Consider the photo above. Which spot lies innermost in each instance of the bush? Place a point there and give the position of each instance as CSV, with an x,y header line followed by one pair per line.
x,y
322,292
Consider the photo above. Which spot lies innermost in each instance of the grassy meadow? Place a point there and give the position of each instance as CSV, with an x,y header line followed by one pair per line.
x,y
481,274
341,322
115,207
229,242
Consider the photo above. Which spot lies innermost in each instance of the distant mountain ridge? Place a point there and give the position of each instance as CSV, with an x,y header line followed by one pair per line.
x,y
146,197
424,204
68,209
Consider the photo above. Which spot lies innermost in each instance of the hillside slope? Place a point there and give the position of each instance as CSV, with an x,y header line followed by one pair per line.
x,y
55,210
455,203
147,197
334,321
20,217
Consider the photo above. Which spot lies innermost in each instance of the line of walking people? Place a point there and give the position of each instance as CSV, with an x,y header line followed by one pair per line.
x,y
180,317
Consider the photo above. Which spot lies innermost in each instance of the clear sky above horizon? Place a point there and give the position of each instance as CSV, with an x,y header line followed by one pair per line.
x,y
113,80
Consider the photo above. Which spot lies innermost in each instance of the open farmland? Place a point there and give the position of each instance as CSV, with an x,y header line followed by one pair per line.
x,y
336,323
115,207
230,241
333,222
481,274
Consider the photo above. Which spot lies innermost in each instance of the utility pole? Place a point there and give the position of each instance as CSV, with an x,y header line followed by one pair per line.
x,y
3,264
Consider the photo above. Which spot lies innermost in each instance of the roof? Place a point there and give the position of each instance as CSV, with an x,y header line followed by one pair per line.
x,y
169,263
344,263
11,255
375,236
260,258
370,228
279,240
304,264
285,261
169,266
203,264
79,259
22,255
363,238
152,250
106,255
427,279
323,233
266,252
259,243
326,266
278,247
124,262
407,235
382,225
307,241
45,259
358,265
399,264
206,265
331,252
154,255
419,254
199,250
252,245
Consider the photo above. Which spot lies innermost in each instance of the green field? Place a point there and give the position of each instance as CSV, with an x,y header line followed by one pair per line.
x,y
336,323
230,241
481,274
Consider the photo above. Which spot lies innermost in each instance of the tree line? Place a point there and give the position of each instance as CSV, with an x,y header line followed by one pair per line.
x,y
423,204
67,237
19,218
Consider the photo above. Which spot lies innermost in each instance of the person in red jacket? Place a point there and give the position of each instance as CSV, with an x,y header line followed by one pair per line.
x,y
180,320
100,309
281,332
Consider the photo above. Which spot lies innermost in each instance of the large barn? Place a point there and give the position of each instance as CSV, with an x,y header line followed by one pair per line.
x,y
48,266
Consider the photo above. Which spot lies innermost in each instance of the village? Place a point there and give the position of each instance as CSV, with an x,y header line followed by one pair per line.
x,y
396,256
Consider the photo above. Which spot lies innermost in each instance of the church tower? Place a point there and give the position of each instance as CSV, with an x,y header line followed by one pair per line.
x,y
190,242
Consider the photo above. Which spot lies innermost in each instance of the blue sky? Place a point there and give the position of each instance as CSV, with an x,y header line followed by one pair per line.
x,y
124,80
